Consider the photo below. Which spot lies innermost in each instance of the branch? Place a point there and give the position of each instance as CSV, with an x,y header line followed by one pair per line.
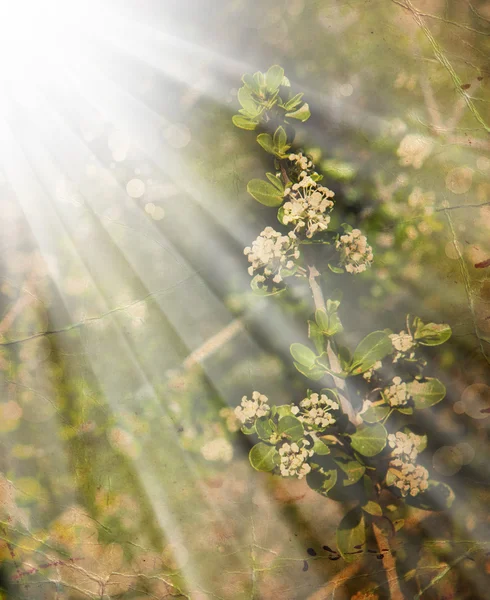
x,y
389,563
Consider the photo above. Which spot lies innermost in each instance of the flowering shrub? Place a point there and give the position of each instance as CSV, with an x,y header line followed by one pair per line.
x,y
336,438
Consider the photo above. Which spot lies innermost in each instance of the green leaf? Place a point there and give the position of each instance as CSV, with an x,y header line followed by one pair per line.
x,y
373,508
303,355
335,269
243,122
329,322
316,336
302,114
314,373
374,414
369,440
426,393
372,348
352,469
250,82
351,534
438,496
248,430
264,192
264,457
320,448
276,182
265,140
431,334
274,77
293,102
291,427
280,140
265,428
322,481
248,103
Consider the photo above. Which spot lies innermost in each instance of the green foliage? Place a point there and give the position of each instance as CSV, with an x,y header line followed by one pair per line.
x,y
351,534
369,440
426,393
432,334
371,349
263,457
345,456
265,193
303,355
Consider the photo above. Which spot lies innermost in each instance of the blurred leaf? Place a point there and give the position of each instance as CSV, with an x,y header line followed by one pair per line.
x,y
274,77
303,355
244,122
302,114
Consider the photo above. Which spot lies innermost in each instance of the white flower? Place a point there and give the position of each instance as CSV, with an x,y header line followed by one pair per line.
x,y
355,253
402,342
315,411
410,479
301,161
414,149
270,253
307,206
397,394
228,414
293,459
404,445
219,449
249,410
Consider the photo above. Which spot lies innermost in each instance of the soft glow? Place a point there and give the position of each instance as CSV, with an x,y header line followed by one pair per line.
x,y
36,38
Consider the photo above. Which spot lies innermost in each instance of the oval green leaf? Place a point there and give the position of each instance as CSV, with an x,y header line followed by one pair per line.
x,y
426,393
263,457
369,440
264,192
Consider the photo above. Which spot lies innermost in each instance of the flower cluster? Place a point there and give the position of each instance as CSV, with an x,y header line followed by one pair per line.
x,y
355,253
404,445
307,202
397,394
249,410
414,150
315,411
218,449
409,477
293,459
402,343
270,253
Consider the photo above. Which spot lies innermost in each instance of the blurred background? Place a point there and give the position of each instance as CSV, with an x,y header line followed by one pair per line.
x,y
128,329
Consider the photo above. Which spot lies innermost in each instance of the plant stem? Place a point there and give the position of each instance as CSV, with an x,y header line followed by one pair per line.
x,y
319,301
389,564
